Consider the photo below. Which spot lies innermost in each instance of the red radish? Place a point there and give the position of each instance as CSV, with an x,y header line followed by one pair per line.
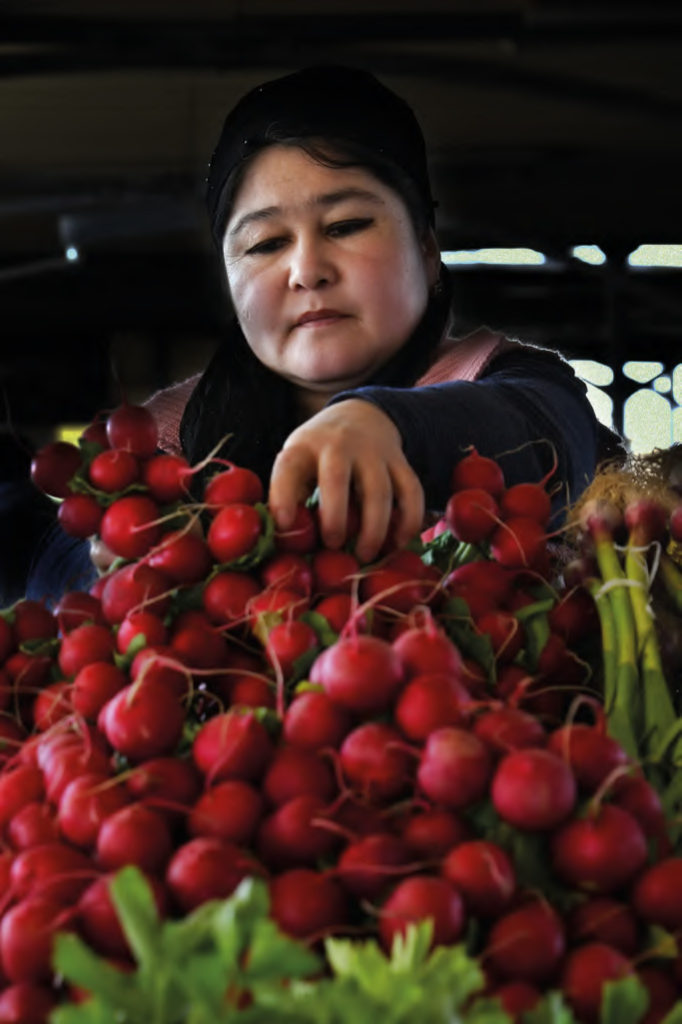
x,y
140,721
263,609
427,648
207,868
52,703
429,702
431,833
301,535
361,673
143,624
53,466
603,919
589,752
12,736
96,432
455,768
199,644
601,852
289,644
313,721
26,938
232,485
505,728
167,478
28,673
130,526
183,556
168,784
134,428
307,904
662,992
375,763
519,543
27,1003
416,899
484,876
52,870
85,803
80,515
249,691
287,570
233,745
296,833
133,587
657,894
293,772
7,639
33,621
639,798
482,576
67,762
33,825
83,645
99,922
113,470
574,616
370,865
94,685
19,786
134,834
516,997
506,634
233,532
334,571
226,596
533,789
526,499
354,818
584,974
474,470
646,521
400,582
230,810
526,944
472,515
338,609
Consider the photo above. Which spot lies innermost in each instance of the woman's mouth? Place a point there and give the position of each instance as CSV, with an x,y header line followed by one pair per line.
x,y
320,318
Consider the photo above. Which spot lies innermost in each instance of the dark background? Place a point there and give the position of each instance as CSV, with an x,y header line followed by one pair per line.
x,y
549,125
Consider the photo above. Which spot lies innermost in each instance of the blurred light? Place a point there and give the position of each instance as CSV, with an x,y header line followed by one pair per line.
x,y
72,253
663,385
642,371
656,256
589,254
520,256
69,432
595,373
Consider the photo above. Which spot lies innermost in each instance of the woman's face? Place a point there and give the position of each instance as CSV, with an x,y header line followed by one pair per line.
x,y
325,270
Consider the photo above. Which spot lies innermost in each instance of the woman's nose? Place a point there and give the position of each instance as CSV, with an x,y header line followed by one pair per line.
x,y
311,266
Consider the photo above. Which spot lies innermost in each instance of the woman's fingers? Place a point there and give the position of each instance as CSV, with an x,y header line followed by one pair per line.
x,y
293,474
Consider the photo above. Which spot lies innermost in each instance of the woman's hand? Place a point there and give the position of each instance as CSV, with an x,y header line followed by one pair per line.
x,y
349,448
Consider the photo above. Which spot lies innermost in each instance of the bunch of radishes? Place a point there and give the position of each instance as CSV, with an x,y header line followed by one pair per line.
x,y
382,743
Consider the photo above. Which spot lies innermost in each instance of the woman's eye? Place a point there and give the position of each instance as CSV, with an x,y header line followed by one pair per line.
x,y
348,227
266,246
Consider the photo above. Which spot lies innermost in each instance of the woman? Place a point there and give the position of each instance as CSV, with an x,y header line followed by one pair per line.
x,y
342,368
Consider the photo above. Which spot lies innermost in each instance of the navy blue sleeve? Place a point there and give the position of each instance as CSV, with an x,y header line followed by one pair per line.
x,y
526,407
60,563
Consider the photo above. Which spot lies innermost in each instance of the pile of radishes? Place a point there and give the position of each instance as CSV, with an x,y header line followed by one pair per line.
x,y
382,743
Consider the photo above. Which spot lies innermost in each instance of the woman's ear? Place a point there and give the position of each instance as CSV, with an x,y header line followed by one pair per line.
x,y
431,251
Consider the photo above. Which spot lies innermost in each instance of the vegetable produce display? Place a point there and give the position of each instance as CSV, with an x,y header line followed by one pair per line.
x,y
245,777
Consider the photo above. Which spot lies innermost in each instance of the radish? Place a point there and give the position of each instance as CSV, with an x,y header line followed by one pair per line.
x,y
140,721
526,944
603,919
432,833
483,874
294,771
431,701
76,608
83,645
657,894
168,784
661,989
307,904
7,640
167,478
506,634
134,428
32,621
233,485
505,728
519,543
207,868
199,644
230,810
19,786
455,767
51,870
640,799
132,587
533,789
94,685
375,762
313,721
52,704
427,648
85,803
226,596
334,571
27,1003
233,745
265,608
416,899
69,761
287,570
142,624
574,616
134,834
589,752
301,536
99,922
233,532
516,997
368,866
26,937
80,515
53,466
295,834
528,500
113,470
247,691
600,853
401,581
338,610
12,737
472,515
289,645
474,470
584,974
34,824
361,673
183,556
130,526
